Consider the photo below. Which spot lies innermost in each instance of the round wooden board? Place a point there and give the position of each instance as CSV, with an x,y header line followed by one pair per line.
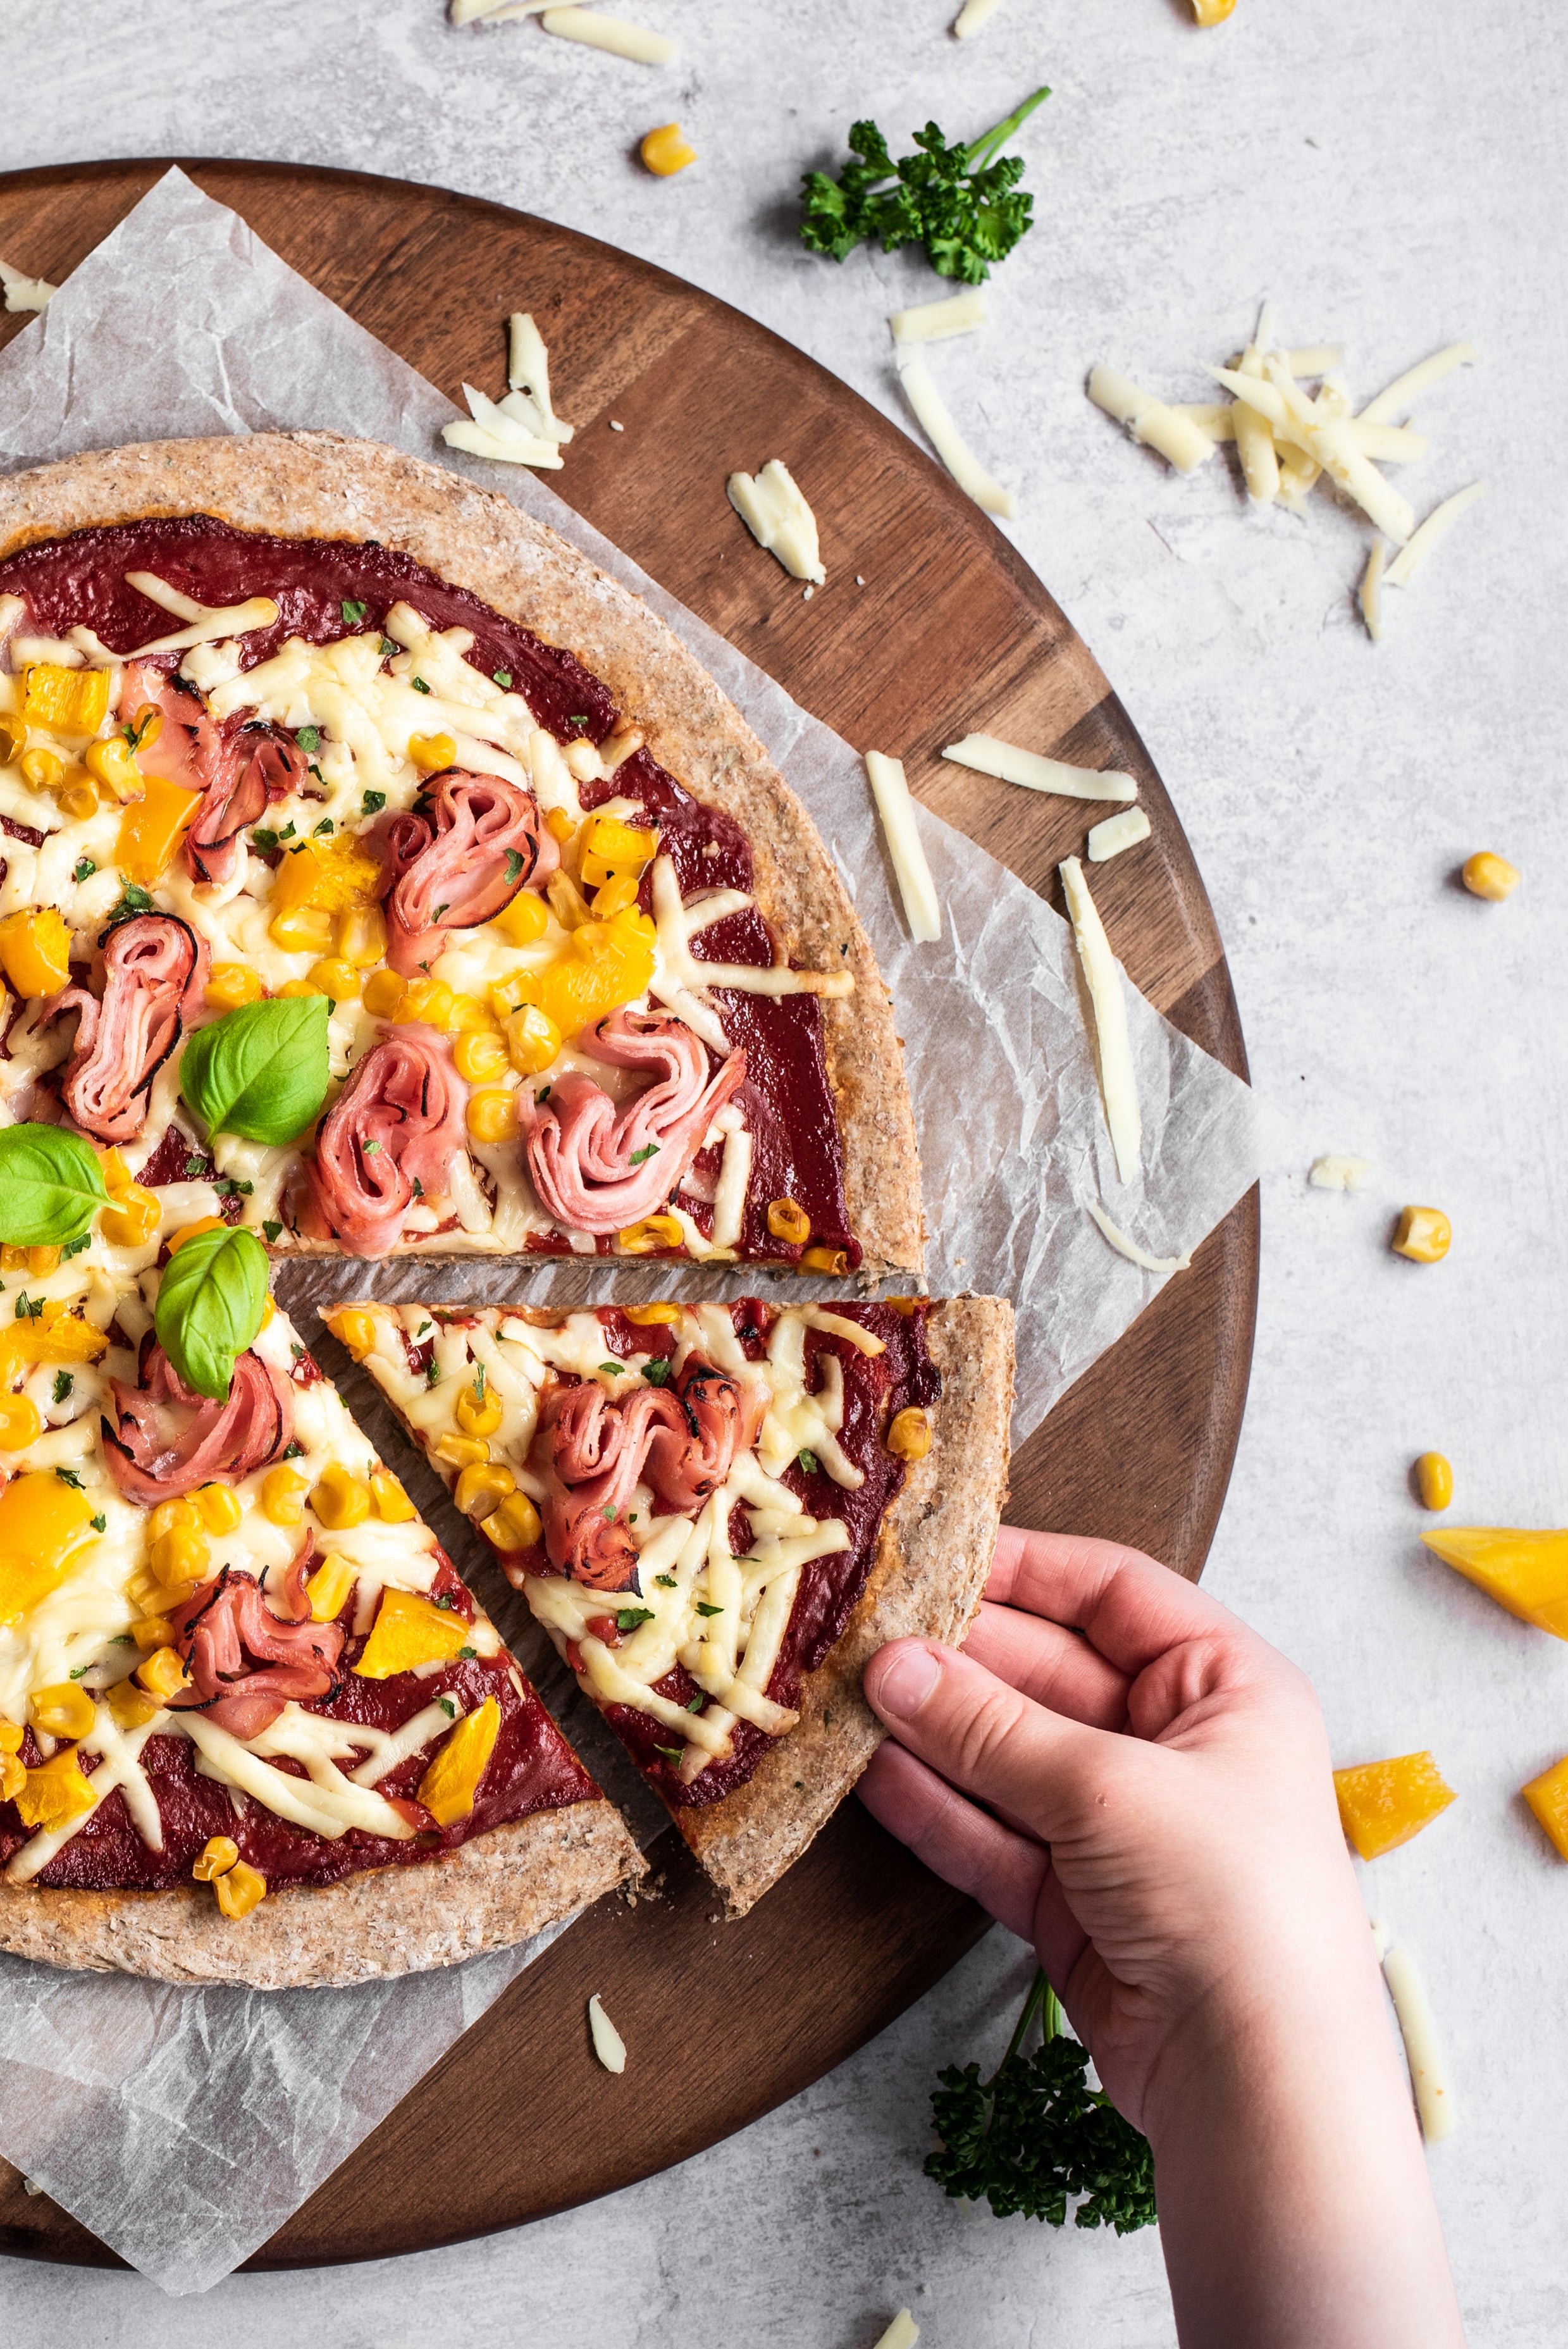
x,y
519,2120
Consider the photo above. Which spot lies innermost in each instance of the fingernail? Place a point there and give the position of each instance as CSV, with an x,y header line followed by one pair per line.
x,y
907,1682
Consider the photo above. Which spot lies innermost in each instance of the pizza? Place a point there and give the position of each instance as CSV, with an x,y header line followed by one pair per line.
x,y
718,1511
253,1726
381,876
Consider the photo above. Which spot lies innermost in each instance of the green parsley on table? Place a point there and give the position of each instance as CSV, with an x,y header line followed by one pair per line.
x,y
963,205
1034,2137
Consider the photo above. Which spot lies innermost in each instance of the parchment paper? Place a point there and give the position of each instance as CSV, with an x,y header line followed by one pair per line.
x,y
184,2127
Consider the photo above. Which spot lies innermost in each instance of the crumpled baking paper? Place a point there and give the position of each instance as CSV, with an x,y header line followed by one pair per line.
x,y
184,2127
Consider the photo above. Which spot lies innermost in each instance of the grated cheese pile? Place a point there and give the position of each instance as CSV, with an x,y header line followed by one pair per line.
x,y
522,428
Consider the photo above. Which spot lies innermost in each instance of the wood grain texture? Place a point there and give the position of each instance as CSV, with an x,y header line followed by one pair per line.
x,y
951,631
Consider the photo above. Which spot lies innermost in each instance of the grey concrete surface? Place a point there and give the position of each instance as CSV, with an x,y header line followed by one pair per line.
x,y
1393,176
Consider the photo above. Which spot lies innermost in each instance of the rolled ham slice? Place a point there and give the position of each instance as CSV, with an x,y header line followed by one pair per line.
x,y
460,864
598,1168
163,1439
398,1122
254,766
245,1660
155,968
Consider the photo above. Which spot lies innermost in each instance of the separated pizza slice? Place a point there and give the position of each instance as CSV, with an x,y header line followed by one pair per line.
x,y
253,1727
718,1511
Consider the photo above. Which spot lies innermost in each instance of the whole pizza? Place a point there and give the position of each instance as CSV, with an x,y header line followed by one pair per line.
x,y
380,877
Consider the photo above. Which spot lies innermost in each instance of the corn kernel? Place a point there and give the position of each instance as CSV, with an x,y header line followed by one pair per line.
x,y
525,920
13,1777
1213,12
328,1587
1425,1234
181,1517
130,1706
114,770
283,1492
354,1327
77,799
12,738
393,1506
533,1040
432,753
162,1674
180,1556
339,1499
480,1054
1486,875
514,1525
218,1855
788,1221
428,999
35,951
307,929
145,727
42,1261
559,825
1434,1481
653,1316
300,986
382,995
62,1710
218,1506
21,1423
42,770
468,1017
826,1259
492,1115
566,900
481,1490
66,700
460,1451
231,984
665,151
11,1735
193,1231
652,1232
238,1889
909,1433
153,1631
479,1414
362,936
335,978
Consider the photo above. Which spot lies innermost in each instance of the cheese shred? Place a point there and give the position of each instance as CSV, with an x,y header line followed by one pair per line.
x,y
987,754
1131,1250
1372,590
1435,529
1418,2030
903,2332
608,2044
935,322
774,509
611,33
921,906
1118,1085
931,415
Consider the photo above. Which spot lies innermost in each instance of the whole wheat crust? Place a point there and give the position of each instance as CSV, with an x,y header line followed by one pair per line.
x,y
322,485
500,1888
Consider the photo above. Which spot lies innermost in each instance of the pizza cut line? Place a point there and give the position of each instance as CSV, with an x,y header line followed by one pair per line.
x,y
393,880
717,1513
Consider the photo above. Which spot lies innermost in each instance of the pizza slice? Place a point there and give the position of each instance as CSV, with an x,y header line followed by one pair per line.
x,y
253,1727
379,875
718,1512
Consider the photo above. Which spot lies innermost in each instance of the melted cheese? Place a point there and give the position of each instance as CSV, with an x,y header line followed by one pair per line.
x,y
681,982
930,412
921,906
120,1766
1118,1084
324,1801
987,754
205,624
775,512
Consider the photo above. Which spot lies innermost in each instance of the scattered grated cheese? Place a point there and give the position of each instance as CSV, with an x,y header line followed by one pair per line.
x,y
988,755
1436,528
1151,422
1418,2030
1117,832
614,427
1372,590
25,292
1339,1174
903,2332
931,415
495,12
774,511
973,18
1407,387
612,33
494,433
935,322
1118,1085
1131,1250
896,808
528,380
608,2044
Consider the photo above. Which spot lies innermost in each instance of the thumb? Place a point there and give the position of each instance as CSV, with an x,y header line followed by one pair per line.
x,y
1035,1766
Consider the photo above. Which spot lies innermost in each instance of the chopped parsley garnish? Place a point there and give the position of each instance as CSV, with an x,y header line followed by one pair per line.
x,y
79,1671
418,684
372,802
75,1248
648,1150
325,825
665,1581
628,1618
100,1524
288,831
264,837
467,1655
294,1451
513,866
353,613
707,1607
809,1462
696,1704
671,1752
370,1147
445,1601
448,1706
85,868
961,203
656,1370
309,737
26,1308
578,718
480,1382
609,1513
543,1094
64,1382
432,1374
419,1188
389,649
296,1349
273,1231
616,1369
194,1168
439,911
71,1476
133,900
502,678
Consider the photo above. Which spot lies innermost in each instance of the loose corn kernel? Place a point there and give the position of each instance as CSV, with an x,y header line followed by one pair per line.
x,y
339,1499
566,900
362,936
231,984
328,1587
382,995
42,770
66,700
1425,1234
480,1489
909,1433
113,769
300,986
665,151
12,738
335,978
428,1000
282,1493
193,1231
180,1556
432,753
181,1517
653,1232
1434,1481
162,1674
533,1040
480,1054
492,1115
525,920
614,898
788,1220
77,799
1486,875
62,1710
218,1506
153,1631
146,727
514,1525
393,1506
218,1855
21,1423
477,1413
1213,12
354,1327
559,825
468,1017
130,1706
35,951
826,1259
11,1735
305,929
238,1889
653,1316
460,1451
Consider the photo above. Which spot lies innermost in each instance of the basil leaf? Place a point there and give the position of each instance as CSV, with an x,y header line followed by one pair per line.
x,y
51,1185
210,1305
260,1071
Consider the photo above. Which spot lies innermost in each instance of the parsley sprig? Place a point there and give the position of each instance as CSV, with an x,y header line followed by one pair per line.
x,y
961,202
1036,2137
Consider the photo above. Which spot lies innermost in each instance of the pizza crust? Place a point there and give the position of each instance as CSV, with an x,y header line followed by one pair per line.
x,y
504,1886
322,484
933,1558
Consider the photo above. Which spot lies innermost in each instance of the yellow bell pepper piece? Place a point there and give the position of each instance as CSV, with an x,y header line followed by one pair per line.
x,y
1525,1572
43,1526
58,1335
1548,1798
410,1630
35,951
66,700
606,965
449,1785
1383,1804
321,880
611,850
152,828
56,1793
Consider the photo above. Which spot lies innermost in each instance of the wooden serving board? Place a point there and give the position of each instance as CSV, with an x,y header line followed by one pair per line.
x,y
519,2120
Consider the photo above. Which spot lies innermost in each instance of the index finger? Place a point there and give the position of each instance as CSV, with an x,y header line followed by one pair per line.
x,y
1130,1607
